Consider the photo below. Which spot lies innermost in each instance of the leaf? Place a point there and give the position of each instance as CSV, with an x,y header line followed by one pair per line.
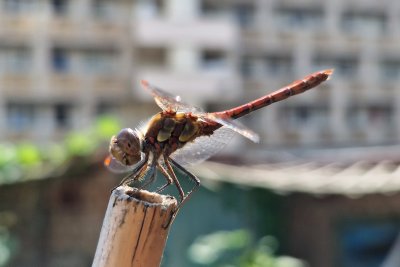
x,y
106,126
28,154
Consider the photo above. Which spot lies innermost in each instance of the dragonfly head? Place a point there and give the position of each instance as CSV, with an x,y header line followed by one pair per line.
x,y
125,147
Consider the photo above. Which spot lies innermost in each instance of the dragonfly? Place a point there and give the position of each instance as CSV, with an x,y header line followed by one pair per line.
x,y
181,135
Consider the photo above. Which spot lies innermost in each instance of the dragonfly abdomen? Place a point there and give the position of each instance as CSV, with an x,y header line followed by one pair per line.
x,y
294,88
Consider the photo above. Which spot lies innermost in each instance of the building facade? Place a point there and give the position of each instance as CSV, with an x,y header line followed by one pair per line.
x,y
62,63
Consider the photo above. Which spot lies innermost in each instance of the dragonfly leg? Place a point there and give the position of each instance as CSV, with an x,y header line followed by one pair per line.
x,y
191,176
152,171
171,175
167,177
138,169
132,176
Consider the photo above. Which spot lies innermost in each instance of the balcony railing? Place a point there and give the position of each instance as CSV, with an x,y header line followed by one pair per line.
x,y
195,87
16,85
64,28
215,33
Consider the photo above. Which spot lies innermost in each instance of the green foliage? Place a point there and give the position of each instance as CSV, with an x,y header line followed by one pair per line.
x,y
5,253
82,144
28,154
8,154
8,242
28,160
107,126
78,144
9,163
237,249
55,153
211,248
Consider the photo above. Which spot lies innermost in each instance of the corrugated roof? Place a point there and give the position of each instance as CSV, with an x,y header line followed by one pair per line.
x,y
353,180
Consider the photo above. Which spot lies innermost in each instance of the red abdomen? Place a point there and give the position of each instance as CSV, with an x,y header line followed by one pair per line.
x,y
294,88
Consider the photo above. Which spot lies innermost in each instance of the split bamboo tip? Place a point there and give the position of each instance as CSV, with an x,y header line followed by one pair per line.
x,y
135,228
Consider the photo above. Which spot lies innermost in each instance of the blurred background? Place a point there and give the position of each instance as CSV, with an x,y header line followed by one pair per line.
x,y
320,189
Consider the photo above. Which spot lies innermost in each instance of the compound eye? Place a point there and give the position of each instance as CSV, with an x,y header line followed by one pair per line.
x,y
126,133
128,141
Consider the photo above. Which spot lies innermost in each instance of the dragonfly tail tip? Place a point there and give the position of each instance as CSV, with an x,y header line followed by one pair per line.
x,y
255,139
328,72
144,83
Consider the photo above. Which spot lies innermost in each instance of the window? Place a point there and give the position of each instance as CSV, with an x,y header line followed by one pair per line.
x,y
357,118
149,8
272,64
105,108
380,115
62,115
100,62
299,18
248,67
364,22
152,56
245,15
390,69
60,7
279,65
104,9
303,116
15,59
60,60
20,117
213,60
213,9
19,6
345,66
366,243
364,117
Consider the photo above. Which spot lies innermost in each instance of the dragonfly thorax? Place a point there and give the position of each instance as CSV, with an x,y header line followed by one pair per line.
x,y
169,131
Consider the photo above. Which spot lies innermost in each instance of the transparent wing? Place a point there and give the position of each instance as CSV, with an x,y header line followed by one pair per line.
x,y
167,101
115,166
235,126
203,147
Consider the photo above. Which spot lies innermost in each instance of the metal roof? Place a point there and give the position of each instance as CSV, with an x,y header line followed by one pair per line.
x,y
353,180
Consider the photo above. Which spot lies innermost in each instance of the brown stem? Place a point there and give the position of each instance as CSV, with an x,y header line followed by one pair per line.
x,y
135,229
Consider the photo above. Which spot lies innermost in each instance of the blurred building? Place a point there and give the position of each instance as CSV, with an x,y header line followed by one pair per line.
x,y
64,62
288,39
61,64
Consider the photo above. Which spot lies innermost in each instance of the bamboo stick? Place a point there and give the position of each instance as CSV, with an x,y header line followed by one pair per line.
x,y
135,229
